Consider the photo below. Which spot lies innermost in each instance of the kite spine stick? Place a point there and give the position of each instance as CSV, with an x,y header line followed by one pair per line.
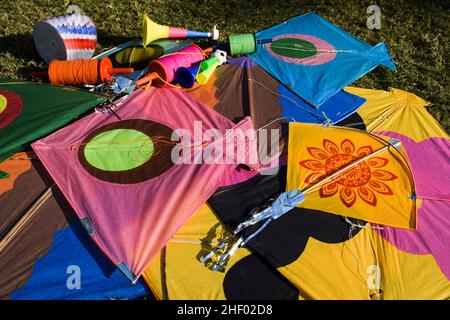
x,y
329,178
127,272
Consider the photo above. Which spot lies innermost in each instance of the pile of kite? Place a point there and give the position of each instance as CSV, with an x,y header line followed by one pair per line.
x,y
119,179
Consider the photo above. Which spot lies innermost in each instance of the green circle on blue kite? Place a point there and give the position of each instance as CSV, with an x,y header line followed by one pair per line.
x,y
119,149
293,48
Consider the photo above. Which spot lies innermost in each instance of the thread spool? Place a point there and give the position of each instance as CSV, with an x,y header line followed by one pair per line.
x,y
186,76
241,44
80,72
162,71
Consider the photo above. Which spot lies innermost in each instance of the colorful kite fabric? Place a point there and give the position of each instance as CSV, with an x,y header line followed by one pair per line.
x,y
352,173
29,111
403,116
242,88
314,58
177,273
358,261
133,55
43,245
283,240
119,171
326,256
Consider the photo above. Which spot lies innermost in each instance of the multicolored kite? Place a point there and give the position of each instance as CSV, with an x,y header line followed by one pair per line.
x,y
390,263
176,272
242,88
314,58
120,173
329,257
403,116
43,246
29,111
346,172
284,240
351,173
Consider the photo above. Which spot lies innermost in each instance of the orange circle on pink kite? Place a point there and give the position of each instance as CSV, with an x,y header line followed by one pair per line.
x,y
10,107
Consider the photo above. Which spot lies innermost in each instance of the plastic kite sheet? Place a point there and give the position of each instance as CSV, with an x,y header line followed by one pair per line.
x,y
177,273
403,116
43,243
29,111
314,58
351,173
133,55
242,88
117,170
323,255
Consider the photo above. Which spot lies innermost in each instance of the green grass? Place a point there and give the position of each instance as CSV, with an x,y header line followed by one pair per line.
x,y
416,32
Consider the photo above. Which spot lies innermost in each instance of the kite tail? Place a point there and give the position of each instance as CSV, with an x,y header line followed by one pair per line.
x,y
380,51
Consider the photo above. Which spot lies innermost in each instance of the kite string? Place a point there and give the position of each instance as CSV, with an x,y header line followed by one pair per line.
x,y
156,141
326,119
359,274
148,84
335,175
356,225
280,95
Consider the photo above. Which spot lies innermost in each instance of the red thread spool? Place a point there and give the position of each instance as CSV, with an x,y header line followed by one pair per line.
x,y
79,72
162,71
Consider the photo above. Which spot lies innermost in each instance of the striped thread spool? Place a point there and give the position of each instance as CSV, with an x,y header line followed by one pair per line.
x,y
69,37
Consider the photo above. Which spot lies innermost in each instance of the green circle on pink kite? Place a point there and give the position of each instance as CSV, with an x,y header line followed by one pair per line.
x,y
119,150
301,49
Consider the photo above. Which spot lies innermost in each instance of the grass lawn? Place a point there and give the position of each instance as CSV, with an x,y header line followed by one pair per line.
x,y
416,32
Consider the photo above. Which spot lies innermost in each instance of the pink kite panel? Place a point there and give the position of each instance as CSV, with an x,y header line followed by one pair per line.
x,y
131,211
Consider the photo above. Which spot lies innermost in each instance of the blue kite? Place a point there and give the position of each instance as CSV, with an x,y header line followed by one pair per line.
x,y
314,58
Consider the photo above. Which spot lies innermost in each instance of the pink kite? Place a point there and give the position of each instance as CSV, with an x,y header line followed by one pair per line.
x,y
134,177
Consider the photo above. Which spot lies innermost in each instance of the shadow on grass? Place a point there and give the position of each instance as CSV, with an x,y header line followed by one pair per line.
x,y
19,45
106,40
22,47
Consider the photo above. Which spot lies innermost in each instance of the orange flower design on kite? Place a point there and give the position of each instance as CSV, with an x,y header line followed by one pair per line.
x,y
365,179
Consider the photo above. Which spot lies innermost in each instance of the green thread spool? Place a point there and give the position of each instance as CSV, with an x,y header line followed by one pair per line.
x,y
242,44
